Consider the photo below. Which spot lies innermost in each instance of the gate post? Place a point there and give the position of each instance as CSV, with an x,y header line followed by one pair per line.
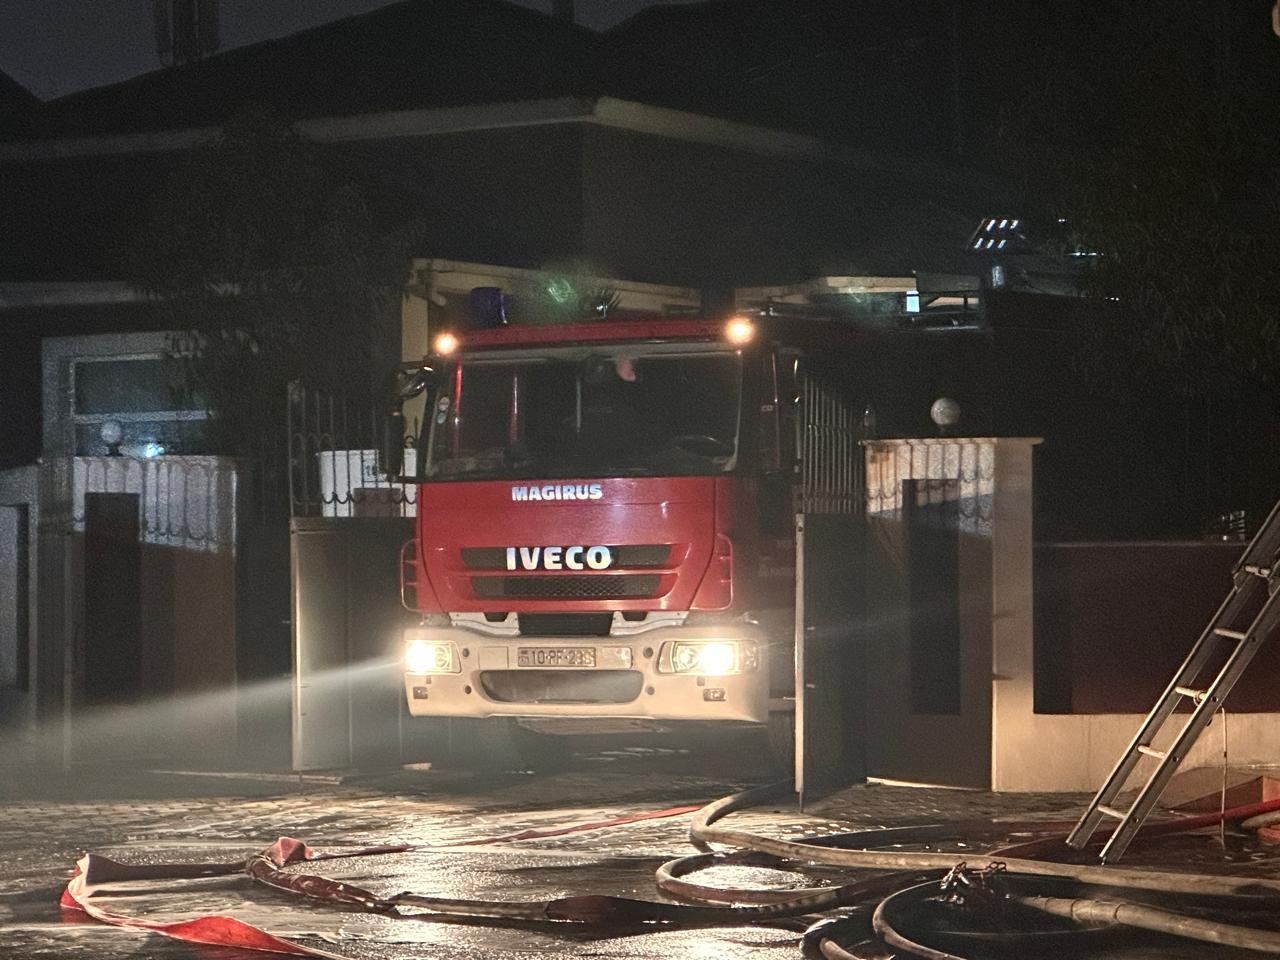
x,y
949,603
19,594
1012,623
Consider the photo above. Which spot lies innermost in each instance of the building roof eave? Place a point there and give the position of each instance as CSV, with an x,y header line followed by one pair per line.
x,y
81,293
608,112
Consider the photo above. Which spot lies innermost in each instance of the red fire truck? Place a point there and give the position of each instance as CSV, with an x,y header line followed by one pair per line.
x,y
606,510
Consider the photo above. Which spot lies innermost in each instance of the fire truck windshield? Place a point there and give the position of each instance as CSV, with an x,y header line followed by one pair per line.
x,y
587,412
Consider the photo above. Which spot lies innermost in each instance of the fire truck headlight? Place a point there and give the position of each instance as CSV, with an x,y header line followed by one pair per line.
x,y
422,656
739,331
711,658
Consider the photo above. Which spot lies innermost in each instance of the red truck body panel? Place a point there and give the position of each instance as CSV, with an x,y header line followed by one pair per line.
x,y
466,528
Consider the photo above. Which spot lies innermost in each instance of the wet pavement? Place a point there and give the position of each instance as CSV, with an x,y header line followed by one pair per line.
x,y
165,817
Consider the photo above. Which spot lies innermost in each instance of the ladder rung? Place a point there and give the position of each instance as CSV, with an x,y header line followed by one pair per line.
x,y
1191,692
1230,634
1112,812
1256,570
1151,752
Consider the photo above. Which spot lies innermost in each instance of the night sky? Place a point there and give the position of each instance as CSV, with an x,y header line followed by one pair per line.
x,y
55,47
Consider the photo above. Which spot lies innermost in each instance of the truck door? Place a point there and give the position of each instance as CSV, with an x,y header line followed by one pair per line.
x,y
830,692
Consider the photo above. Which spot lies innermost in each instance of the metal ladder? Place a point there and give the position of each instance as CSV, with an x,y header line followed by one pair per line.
x,y
1255,580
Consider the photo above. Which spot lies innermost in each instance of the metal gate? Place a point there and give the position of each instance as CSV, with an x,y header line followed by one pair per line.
x,y
347,526
19,513
829,683
347,692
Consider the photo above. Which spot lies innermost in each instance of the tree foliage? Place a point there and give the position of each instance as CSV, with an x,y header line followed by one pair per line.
x,y
274,271
1161,155
1164,161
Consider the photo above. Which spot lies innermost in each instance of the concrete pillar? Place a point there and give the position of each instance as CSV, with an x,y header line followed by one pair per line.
x,y
1012,620
977,489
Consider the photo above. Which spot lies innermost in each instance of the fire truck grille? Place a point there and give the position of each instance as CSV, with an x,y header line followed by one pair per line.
x,y
562,686
581,587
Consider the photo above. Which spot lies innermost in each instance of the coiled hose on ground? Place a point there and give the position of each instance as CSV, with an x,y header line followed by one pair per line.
x,y
1018,869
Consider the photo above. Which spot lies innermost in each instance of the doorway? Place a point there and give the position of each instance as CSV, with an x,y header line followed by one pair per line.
x,y
931,519
112,599
15,608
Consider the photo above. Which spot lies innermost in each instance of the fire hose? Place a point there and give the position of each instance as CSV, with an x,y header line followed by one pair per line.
x,y
1013,878
704,832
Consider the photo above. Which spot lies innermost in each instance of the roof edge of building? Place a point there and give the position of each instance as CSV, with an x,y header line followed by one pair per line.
x,y
605,111
60,293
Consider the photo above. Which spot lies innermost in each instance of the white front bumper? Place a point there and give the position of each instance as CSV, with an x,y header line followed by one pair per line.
x,y
625,682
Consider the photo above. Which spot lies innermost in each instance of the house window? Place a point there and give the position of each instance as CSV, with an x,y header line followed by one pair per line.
x,y
134,386
145,395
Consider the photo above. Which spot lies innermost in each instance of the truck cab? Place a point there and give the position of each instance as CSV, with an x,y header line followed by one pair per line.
x,y
606,514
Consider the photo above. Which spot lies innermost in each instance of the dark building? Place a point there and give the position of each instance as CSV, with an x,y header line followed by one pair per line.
x,y
512,139
716,146
17,108
515,139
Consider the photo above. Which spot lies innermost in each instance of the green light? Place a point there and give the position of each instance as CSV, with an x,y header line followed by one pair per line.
x,y
561,290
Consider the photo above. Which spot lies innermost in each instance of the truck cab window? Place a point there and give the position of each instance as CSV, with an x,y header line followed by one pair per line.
x,y
589,413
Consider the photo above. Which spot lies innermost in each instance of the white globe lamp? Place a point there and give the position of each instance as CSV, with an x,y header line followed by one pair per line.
x,y
944,412
112,433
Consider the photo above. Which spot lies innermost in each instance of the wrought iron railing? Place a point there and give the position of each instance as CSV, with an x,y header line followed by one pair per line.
x,y
190,502
336,466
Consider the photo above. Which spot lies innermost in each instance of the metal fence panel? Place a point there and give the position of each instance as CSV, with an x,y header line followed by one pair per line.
x,y
19,557
348,702
831,692
830,461
335,468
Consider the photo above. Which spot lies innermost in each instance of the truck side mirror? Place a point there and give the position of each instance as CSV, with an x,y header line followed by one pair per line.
x,y
769,435
770,440
774,494
393,443
795,416
416,381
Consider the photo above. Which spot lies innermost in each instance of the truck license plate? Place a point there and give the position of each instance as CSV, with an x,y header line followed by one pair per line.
x,y
556,657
